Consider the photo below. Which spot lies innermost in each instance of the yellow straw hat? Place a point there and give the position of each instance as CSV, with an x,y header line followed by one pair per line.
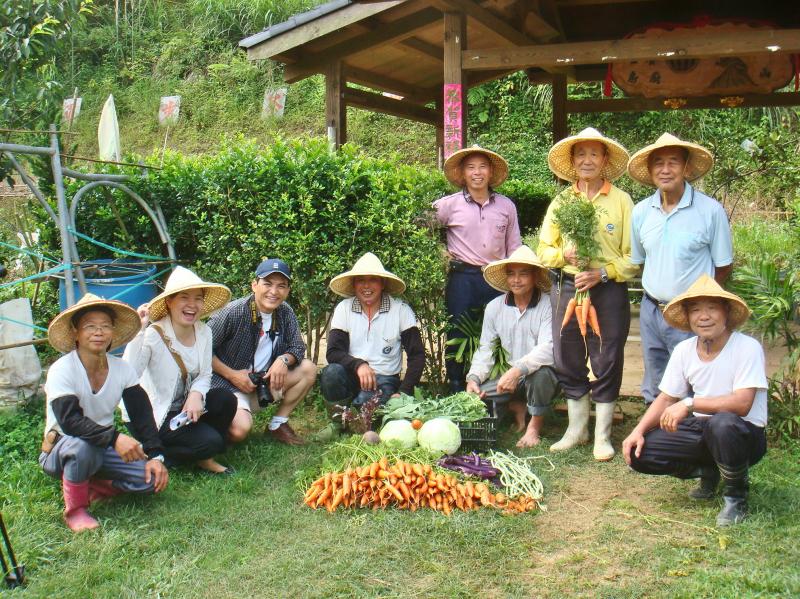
x,y
215,296
559,158
495,272
127,323
705,286
367,265
699,163
452,166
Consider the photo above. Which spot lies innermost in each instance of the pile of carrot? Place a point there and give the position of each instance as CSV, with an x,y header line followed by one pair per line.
x,y
586,314
407,486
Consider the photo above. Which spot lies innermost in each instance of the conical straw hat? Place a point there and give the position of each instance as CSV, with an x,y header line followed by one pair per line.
x,y
452,166
495,272
127,323
699,163
559,158
215,296
705,286
367,265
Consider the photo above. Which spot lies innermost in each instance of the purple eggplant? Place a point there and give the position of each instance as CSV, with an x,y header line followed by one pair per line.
x,y
472,465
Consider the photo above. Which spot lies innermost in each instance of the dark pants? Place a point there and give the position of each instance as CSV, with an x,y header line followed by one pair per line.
x,y
724,439
466,291
342,388
607,358
537,390
204,438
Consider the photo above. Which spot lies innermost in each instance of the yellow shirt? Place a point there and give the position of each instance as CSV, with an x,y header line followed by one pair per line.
x,y
613,235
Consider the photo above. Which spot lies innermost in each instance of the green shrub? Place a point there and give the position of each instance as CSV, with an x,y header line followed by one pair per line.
x,y
532,200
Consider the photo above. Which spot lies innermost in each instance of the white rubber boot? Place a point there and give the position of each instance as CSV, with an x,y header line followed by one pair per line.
x,y
603,450
578,429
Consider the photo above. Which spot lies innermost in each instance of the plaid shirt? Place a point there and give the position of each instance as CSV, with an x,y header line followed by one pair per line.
x,y
236,328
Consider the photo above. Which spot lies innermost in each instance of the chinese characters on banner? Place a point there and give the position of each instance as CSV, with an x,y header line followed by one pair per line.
x,y
71,110
274,102
453,132
169,110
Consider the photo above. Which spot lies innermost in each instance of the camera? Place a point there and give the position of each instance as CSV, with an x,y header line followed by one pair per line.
x,y
262,388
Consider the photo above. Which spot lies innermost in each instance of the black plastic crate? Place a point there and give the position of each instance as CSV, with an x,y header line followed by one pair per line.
x,y
479,436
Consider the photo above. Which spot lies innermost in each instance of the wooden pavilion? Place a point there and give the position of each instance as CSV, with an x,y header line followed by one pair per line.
x,y
416,59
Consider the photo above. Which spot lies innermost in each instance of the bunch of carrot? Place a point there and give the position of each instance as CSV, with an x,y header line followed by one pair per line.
x,y
406,486
586,314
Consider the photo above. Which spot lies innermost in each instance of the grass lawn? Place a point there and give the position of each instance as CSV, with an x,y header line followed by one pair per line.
x,y
607,532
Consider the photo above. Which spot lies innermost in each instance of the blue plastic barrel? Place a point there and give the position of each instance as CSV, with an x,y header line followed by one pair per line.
x,y
114,281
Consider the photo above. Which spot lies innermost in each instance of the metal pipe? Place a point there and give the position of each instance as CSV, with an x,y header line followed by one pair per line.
x,y
63,223
94,176
26,149
26,178
24,343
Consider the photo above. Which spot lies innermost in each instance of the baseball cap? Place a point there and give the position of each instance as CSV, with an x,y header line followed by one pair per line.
x,y
271,266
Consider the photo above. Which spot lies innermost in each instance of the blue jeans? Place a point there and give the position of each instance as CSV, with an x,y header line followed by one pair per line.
x,y
342,388
658,341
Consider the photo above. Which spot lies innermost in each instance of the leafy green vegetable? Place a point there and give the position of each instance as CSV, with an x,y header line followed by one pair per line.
x,y
440,435
461,407
578,220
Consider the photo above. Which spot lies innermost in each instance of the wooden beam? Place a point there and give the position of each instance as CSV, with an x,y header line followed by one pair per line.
x,y
382,36
559,107
494,24
383,83
641,104
379,103
685,45
583,75
335,103
423,48
317,28
455,83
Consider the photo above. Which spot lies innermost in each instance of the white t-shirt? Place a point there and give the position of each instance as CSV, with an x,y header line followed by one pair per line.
x,y
740,365
377,341
67,376
265,344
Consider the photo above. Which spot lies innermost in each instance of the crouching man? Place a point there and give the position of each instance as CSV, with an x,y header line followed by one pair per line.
x,y
259,354
708,420
81,446
521,320
369,331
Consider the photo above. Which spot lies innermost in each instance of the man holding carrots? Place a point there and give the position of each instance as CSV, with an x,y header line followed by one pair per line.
x,y
521,320
678,233
481,226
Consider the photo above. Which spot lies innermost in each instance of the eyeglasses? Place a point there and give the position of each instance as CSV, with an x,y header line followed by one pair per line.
x,y
97,328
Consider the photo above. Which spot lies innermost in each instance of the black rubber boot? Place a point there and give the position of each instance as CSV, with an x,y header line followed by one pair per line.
x,y
709,481
734,493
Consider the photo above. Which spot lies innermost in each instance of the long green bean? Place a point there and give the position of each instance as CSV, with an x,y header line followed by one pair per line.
x,y
516,474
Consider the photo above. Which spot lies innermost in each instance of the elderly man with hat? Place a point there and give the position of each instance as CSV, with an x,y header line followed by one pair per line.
x,y
709,417
259,353
369,331
678,233
82,447
590,161
481,226
521,320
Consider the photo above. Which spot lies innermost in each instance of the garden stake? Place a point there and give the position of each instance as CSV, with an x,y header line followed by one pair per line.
x,y
15,576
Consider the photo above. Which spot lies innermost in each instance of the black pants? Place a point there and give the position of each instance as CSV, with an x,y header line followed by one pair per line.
x,y
724,439
341,387
467,291
607,358
204,438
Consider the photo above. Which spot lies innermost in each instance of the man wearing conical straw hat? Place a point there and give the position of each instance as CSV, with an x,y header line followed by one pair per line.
x,y
481,226
591,162
678,233
709,417
521,320
82,447
369,331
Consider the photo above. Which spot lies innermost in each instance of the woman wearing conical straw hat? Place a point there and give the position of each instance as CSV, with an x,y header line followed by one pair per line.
x,y
82,447
590,161
709,417
369,331
678,233
172,355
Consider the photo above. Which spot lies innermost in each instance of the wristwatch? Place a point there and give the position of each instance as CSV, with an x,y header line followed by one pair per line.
x,y
689,403
603,275
158,457
285,359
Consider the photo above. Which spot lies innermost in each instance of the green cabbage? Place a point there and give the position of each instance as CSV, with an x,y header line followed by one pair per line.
x,y
399,432
440,435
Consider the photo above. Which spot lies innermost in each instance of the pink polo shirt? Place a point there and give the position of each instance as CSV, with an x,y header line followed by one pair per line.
x,y
479,234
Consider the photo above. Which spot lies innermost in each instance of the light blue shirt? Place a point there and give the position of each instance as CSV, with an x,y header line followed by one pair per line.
x,y
677,247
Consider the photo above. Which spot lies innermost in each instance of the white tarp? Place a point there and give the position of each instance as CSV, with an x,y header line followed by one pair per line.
x,y
108,132
20,370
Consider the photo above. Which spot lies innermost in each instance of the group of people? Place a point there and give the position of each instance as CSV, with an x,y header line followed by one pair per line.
x,y
188,389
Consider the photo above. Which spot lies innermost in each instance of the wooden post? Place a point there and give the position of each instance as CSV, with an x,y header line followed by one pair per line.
x,y
335,106
559,107
440,135
455,84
